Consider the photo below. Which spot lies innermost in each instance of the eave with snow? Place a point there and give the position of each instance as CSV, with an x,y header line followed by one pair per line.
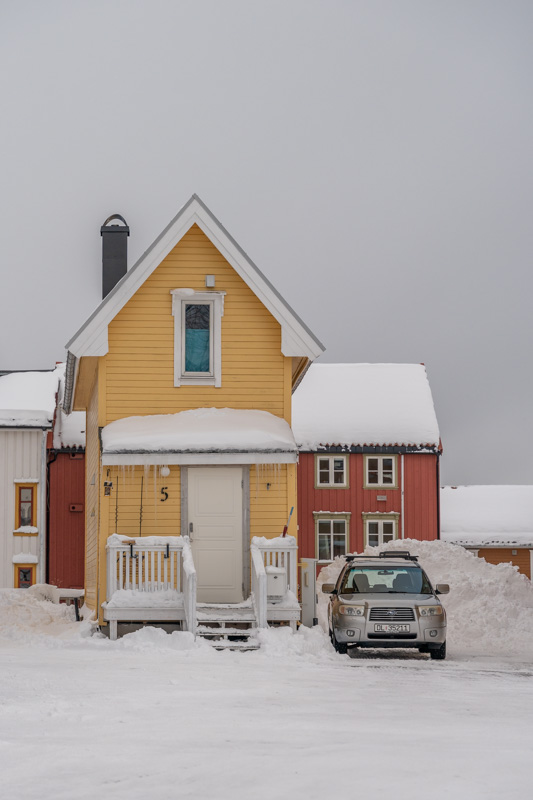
x,y
199,436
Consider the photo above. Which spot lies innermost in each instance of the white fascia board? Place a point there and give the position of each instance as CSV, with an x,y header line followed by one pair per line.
x,y
297,339
190,459
91,339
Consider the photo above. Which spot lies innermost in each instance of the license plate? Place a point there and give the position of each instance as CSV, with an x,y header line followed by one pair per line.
x,y
391,628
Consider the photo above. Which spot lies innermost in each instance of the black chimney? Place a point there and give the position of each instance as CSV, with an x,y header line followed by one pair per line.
x,y
114,252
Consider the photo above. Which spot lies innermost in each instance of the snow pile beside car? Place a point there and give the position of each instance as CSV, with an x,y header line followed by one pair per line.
x,y
489,608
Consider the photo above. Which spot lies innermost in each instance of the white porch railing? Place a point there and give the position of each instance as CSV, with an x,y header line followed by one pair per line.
x,y
154,564
281,552
259,586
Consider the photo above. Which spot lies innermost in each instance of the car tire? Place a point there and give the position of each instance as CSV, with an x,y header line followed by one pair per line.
x,y
423,648
340,647
439,653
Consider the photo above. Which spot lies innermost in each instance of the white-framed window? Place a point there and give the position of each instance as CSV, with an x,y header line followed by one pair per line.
x,y
197,337
380,529
331,471
380,471
332,535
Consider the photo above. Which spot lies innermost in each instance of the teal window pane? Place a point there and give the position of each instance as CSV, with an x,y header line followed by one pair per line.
x,y
197,338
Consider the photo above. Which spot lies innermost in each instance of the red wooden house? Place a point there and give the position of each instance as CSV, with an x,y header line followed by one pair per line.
x,y
369,457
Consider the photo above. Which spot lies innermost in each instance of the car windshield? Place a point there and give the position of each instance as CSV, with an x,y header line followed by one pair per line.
x,y
392,580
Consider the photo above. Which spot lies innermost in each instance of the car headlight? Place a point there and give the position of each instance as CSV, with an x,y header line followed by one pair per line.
x,y
430,611
352,611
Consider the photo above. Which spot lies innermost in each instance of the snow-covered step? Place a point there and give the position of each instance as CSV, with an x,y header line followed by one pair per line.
x,y
225,612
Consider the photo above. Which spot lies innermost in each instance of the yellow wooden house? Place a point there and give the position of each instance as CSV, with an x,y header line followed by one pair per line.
x,y
186,371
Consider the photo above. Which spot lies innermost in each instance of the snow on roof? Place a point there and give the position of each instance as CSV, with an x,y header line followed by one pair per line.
x,y
69,429
28,399
364,404
487,515
205,430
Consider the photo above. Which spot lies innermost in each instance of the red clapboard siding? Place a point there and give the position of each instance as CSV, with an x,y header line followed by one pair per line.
x,y
420,499
66,532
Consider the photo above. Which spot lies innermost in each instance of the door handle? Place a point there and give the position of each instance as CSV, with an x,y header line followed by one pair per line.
x,y
191,528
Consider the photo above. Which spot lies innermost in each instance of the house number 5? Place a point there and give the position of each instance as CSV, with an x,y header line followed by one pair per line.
x,y
165,493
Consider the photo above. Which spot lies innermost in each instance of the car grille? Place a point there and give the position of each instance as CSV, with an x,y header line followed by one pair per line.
x,y
391,614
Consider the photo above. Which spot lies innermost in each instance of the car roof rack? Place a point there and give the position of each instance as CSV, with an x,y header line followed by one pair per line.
x,y
387,554
398,554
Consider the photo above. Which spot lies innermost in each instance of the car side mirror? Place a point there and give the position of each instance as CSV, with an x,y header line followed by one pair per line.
x,y
442,588
328,588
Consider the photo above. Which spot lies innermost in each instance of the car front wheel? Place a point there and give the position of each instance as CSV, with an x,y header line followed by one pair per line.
x,y
439,653
340,647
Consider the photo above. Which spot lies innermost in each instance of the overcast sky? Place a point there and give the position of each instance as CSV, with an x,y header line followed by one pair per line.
x,y
373,158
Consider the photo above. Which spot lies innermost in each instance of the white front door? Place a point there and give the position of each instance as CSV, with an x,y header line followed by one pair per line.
x,y
215,513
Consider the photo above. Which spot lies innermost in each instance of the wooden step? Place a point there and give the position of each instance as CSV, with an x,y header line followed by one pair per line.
x,y
206,630
227,644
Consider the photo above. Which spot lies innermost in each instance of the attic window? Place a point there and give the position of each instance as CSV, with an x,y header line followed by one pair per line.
x,y
197,337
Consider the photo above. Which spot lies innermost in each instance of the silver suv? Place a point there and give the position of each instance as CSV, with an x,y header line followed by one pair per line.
x,y
386,601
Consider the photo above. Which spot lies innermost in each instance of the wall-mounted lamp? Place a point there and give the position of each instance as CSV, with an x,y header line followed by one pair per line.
x,y
108,485
268,486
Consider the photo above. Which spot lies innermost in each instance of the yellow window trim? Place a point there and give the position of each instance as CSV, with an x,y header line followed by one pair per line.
x,y
29,485
18,567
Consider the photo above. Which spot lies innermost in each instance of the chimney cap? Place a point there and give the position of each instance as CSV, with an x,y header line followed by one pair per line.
x,y
107,227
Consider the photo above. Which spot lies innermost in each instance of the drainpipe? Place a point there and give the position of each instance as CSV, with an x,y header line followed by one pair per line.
x,y
42,511
51,456
438,495
403,498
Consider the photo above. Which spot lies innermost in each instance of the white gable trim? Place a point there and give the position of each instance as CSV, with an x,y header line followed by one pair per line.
x,y
92,339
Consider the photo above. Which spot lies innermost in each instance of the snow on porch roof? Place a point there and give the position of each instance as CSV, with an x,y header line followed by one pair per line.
x,y
364,404
202,435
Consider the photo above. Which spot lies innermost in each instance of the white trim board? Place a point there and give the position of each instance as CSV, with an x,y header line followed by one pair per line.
x,y
296,339
190,459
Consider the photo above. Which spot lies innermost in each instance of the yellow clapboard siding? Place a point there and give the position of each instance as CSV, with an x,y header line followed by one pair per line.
x,y
160,516
140,362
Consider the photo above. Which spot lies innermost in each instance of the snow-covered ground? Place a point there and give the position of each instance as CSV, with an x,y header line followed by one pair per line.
x,y
155,715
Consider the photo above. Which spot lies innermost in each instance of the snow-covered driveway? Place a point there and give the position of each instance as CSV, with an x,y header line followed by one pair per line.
x,y
155,716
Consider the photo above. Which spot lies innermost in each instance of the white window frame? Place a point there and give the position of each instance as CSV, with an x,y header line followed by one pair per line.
x,y
331,458
380,519
331,517
380,484
215,300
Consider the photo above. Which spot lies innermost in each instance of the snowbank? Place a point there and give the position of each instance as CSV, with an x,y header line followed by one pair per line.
x,y
364,404
200,430
489,608
25,613
487,515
